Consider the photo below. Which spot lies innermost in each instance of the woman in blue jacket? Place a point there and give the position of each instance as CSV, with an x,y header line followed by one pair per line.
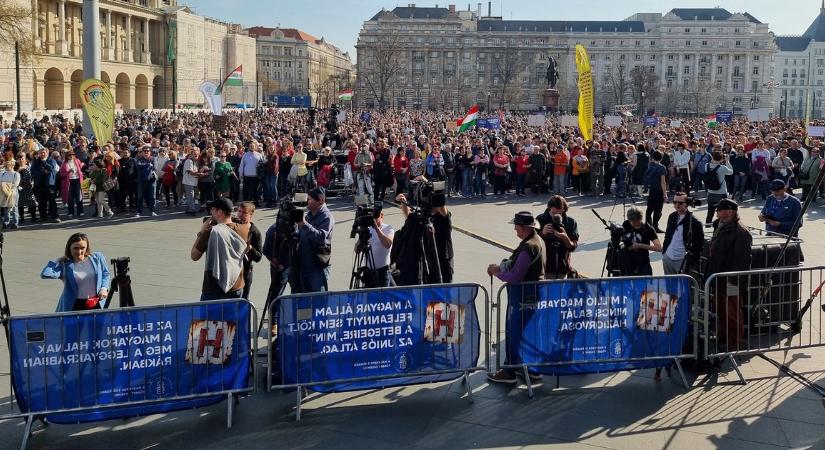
x,y
85,275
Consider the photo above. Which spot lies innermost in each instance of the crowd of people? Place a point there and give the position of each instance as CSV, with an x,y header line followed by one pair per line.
x,y
157,160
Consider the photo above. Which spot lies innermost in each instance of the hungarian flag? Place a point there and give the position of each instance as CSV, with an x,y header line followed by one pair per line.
x,y
345,95
711,119
235,78
469,120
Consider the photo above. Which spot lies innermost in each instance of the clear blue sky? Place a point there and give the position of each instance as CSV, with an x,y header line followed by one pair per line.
x,y
339,21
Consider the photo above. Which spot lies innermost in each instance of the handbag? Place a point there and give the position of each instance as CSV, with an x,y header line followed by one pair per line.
x,y
293,174
109,184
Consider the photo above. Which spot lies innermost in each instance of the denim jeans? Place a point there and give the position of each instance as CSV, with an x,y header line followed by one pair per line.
x,y
481,184
75,199
467,182
313,280
521,183
740,184
189,193
146,193
9,215
559,183
271,188
621,175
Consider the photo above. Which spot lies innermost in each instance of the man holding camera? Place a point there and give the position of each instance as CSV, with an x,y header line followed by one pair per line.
x,y
225,244
314,245
561,236
638,240
684,237
380,242
245,212
781,210
408,253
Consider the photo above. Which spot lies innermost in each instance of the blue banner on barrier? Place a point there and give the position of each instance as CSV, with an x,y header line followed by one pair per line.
x,y
114,358
583,321
336,336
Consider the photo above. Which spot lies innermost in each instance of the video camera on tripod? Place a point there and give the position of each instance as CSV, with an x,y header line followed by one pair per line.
x,y
618,241
291,211
365,215
426,195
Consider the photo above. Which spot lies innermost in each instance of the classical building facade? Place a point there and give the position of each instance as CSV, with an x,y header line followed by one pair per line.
x,y
134,42
685,61
799,72
295,63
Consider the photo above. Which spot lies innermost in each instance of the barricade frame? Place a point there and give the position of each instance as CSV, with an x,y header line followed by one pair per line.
x,y
710,315
299,387
231,394
693,324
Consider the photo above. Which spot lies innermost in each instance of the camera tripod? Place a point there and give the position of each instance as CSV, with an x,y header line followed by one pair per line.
x,y
364,274
121,284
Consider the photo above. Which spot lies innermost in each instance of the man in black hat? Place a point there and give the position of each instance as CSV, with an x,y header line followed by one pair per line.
x,y
730,251
225,244
314,246
526,264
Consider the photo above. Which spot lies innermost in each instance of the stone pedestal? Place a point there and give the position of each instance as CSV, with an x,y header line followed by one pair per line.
x,y
550,100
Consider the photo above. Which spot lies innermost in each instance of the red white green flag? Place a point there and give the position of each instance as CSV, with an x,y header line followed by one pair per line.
x,y
345,95
469,120
235,78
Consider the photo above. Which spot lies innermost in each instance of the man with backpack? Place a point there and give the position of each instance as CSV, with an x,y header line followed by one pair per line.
x,y
714,180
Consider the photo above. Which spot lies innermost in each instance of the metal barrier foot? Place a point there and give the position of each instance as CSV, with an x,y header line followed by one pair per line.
x,y
298,392
736,368
230,404
466,380
558,381
681,373
529,383
27,432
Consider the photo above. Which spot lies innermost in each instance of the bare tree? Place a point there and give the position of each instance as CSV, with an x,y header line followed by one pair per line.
x,y
703,99
507,65
671,100
617,83
382,66
15,27
643,80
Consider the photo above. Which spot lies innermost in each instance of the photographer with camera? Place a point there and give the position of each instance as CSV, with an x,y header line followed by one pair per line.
x,y
314,246
425,241
781,210
561,236
379,244
225,244
638,240
684,237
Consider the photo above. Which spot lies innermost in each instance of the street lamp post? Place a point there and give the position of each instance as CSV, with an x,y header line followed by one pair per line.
x,y
488,101
642,105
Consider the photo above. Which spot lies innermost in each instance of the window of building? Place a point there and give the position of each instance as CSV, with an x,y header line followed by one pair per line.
x,y
670,57
638,57
735,84
652,43
719,84
754,85
652,57
736,58
719,70
687,30
756,57
756,70
704,43
687,43
704,30
686,70
670,83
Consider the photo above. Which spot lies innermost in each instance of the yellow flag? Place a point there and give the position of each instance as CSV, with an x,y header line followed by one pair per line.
x,y
100,107
585,93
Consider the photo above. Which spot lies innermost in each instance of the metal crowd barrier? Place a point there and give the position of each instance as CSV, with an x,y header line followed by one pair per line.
x,y
305,354
757,311
73,388
655,352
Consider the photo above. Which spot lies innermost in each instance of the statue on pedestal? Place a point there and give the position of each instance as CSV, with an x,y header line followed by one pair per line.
x,y
550,97
552,73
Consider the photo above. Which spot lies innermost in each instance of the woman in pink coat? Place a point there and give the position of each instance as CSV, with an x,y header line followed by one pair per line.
x,y
71,175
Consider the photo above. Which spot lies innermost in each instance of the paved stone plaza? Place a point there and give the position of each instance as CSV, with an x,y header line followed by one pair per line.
x,y
618,410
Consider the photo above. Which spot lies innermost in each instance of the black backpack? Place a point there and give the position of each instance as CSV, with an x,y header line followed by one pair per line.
x,y
710,179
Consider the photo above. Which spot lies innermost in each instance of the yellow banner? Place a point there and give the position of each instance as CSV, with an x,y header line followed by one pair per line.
x,y
100,107
585,93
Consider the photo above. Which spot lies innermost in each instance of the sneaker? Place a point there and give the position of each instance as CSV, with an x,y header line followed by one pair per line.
x,y
110,214
154,214
504,376
137,215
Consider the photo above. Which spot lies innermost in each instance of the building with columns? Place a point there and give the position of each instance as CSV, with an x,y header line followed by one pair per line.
x,y
688,60
800,72
292,62
134,42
